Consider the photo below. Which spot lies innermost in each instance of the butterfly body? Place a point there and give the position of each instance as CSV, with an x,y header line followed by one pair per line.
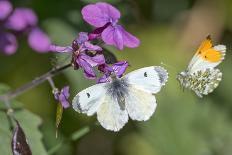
x,y
129,96
201,76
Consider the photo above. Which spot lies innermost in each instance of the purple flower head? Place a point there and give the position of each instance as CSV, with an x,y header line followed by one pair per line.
x,y
117,69
62,96
105,18
8,43
21,18
38,40
6,8
85,54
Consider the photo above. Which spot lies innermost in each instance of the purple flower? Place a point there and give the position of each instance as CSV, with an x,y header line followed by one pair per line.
x,y
20,21
21,18
85,54
62,96
105,18
8,43
117,69
38,40
6,8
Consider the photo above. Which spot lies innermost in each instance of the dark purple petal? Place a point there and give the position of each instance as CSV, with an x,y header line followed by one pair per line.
x,y
61,49
21,18
128,39
113,36
8,43
90,47
6,8
39,41
88,69
120,68
104,68
93,15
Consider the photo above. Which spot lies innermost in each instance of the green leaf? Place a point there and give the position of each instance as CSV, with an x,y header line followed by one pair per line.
x,y
29,123
59,113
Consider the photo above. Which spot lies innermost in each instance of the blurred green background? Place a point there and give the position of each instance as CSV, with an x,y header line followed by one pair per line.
x,y
170,32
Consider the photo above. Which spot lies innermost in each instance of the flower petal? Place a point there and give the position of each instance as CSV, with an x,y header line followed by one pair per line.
x,y
120,68
113,36
93,15
21,18
93,61
61,49
108,9
128,39
63,97
39,41
90,47
8,43
6,8
88,69
104,79
82,38
65,91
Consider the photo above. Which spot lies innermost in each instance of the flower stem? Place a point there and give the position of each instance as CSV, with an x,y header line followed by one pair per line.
x,y
33,83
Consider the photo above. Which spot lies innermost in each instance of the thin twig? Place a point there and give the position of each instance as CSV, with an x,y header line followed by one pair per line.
x,y
33,83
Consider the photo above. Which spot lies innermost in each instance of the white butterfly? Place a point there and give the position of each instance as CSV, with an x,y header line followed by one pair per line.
x,y
201,76
130,95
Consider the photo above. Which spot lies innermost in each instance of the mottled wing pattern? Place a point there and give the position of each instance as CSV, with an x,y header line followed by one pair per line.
x,y
203,82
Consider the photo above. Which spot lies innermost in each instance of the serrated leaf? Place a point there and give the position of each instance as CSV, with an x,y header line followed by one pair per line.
x,y
19,143
59,113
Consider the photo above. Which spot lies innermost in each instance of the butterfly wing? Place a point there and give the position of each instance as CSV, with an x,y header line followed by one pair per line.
x,y
140,104
143,83
149,79
110,115
207,56
204,82
89,100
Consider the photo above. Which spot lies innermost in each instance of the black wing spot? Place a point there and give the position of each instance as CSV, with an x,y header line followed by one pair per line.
x,y
145,74
205,56
199,52
88,95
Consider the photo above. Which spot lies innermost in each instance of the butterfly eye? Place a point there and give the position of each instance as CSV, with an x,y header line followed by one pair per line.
x,y
145,74
88,95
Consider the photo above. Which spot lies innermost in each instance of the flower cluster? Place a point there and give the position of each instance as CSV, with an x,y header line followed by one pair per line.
x,y
86,55
18,21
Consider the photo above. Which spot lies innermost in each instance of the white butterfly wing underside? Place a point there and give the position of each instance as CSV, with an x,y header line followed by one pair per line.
x,y
197,63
